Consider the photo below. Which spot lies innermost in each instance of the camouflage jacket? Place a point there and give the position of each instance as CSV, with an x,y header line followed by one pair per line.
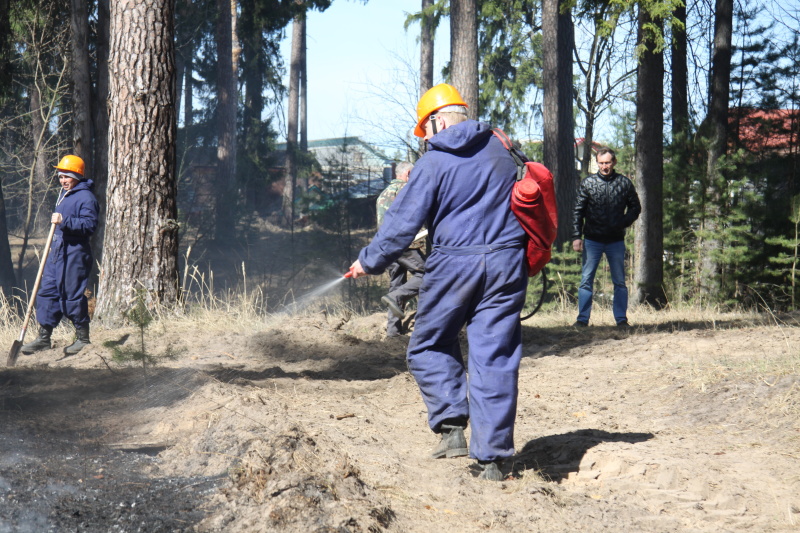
x,y
386,198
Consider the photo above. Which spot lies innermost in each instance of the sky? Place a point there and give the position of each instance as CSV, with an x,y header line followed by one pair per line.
x,y
356,52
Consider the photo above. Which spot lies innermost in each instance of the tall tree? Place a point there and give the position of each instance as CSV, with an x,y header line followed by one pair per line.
x,y
559,135
5,46
677,175
7,279
303,93
680,76
716,129
141,240
464,52
426,35
290,183
81,85
649,242
100,128
225,227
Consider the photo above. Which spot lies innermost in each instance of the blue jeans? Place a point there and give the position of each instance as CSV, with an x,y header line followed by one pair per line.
x,y
615,255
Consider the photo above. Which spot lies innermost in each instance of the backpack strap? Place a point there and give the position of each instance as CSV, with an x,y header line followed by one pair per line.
x,y
500,134
503,138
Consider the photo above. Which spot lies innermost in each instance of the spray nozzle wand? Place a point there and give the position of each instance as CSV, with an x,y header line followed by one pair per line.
x,y
348,274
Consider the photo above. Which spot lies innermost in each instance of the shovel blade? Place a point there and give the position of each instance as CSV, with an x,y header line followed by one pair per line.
x,y
14,353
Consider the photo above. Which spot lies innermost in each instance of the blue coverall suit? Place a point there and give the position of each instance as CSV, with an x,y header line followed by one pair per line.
x,y
475,276
69,263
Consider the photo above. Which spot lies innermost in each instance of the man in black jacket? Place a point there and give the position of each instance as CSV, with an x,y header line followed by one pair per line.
x,y
607,204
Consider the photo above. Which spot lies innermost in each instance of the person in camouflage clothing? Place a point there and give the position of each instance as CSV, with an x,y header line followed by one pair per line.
x,y
405,274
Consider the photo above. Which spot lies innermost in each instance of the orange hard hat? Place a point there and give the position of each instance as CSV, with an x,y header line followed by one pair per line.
x,y
435,98
72,163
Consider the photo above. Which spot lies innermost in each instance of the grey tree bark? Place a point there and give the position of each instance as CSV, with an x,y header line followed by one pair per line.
x,y
716,126
559,128
649,240
7,278
679,84
5,46
225,227
290,182
426,36
141,238
464,52
100,132
303,92
426,49
82,85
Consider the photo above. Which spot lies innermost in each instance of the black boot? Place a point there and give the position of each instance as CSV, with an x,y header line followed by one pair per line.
x,y
81,340
453,443
394,306
491,470
42,342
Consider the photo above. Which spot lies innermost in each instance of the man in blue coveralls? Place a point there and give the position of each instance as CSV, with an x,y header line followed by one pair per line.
x,y
66,273
475,276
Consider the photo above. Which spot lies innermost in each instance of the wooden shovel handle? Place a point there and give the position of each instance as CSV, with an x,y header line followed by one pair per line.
x,y
38,281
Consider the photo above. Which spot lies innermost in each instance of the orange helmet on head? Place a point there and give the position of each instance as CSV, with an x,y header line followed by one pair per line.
x,y
71,163
434,99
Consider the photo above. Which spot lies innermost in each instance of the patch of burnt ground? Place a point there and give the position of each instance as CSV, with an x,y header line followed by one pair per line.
x,y
54,485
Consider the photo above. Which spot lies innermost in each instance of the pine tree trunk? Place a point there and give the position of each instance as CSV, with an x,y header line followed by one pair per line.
x,y
6,54
559,134
464,52
426,49
225,227
680,142
426,37
7,279
680,101
290,182
303,92
82,85
717,124
141,238
100,126
649,240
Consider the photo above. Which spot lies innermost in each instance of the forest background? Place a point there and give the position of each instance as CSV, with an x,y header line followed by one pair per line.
x,y
177,106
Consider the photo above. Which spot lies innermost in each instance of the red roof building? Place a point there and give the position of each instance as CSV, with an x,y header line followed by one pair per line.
x,y
764,130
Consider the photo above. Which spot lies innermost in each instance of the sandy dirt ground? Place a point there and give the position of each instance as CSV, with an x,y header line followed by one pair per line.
x,y
313,423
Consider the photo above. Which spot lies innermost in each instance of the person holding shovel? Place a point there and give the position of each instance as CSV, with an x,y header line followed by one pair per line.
x,y
475,276
69,263
405,274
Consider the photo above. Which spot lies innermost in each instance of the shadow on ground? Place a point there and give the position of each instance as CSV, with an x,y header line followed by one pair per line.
x,y
556,456
557,341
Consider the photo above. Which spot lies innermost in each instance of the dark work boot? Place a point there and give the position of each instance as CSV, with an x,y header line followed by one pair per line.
x,y
394,306
453,443
42,342
81,340
491,471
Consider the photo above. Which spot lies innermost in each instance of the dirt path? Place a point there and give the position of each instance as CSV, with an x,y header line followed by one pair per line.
x,y
315,425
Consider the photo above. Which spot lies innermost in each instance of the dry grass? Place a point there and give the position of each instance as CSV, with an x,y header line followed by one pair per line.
x,y
247,310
